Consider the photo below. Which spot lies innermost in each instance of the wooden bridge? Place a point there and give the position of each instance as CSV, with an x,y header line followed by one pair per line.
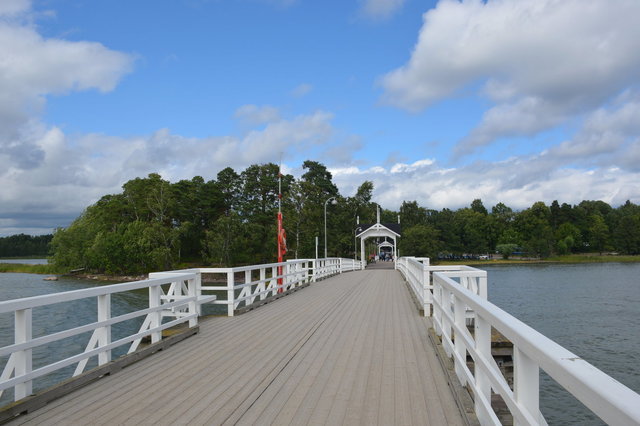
x,y
351,349
343,346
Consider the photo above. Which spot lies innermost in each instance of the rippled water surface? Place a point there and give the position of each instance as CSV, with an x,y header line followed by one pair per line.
x,y
592,310
63,316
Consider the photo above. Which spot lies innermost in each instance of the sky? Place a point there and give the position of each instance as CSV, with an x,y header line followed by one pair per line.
x,y
442,102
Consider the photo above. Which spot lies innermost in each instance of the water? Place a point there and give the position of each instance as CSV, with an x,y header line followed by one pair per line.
x,y
26,261
59,317
590,309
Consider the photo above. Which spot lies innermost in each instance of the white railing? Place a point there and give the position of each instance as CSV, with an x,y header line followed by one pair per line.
x,y
349,265
180,302
247,285
607,398
417,272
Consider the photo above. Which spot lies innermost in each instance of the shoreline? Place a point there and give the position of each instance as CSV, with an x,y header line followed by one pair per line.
x,y
557,260
105,278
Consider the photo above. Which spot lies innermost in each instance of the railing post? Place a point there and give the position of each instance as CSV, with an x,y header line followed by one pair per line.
x,y
104,333
262,286
199,291
340,265
526,383
437,306
445,303
192,287
459,308
482,336
247,280
314,270
230,293
427,297
155,317
274,280
23,333
482,286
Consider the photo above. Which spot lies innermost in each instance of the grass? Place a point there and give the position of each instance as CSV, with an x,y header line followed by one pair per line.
x,y
570,258
32,269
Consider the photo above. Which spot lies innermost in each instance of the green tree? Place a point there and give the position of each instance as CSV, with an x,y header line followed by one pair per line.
x,y
420,241
411,214
506,250
533,225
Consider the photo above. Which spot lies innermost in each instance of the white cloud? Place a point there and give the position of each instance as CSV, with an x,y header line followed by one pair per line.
x,y
381,9
609,137
518,182
75,172
301,90
14,7
255,115
33,67
540,61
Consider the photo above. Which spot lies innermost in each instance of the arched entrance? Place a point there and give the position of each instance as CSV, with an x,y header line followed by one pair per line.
x,y
388,231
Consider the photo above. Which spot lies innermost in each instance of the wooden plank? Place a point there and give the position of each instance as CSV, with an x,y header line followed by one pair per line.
x,y
349,349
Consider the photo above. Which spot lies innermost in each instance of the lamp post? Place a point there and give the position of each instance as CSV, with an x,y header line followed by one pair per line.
x,y
333,202
355,242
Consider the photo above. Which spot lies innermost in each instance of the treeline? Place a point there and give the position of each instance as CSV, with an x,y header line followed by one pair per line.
x,y
539,231
155,224
25,245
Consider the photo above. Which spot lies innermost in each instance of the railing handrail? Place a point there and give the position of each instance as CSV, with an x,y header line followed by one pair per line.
x,y
612,401
181,301
68,296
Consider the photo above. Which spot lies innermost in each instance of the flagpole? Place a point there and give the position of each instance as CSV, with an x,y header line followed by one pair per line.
x,y
281,238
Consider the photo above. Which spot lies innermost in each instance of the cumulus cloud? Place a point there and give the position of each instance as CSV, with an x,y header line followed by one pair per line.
x,y
438,187
13,7
609,137
76,171
32,68
539,61
381,9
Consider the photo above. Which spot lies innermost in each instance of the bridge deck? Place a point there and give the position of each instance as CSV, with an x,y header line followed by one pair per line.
x,y
348,350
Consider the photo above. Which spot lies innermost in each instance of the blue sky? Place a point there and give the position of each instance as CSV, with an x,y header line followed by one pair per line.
x,y
436,101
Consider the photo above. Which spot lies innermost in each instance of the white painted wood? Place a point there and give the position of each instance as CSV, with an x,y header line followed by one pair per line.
x,y
461,350
526,384
104,333
23,359
613,402
482,388
343,351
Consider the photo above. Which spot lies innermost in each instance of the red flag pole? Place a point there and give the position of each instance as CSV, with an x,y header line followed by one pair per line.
x,y
282,241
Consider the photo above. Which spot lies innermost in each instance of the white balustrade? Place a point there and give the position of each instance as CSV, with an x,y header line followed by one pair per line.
x,y
179,302
417,272
457,294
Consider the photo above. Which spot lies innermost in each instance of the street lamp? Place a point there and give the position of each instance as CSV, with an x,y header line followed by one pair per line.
x,y
355,242
333,202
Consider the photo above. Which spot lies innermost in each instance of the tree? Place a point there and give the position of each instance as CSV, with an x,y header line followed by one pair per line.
x,y
533,225
478,207
627,234
420,241
598,232
411,214
506,250
24,245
